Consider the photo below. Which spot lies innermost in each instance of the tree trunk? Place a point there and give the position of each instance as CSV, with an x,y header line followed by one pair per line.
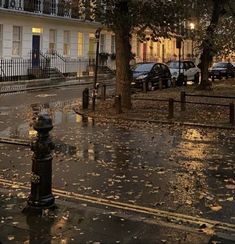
x,y
123,76
208,44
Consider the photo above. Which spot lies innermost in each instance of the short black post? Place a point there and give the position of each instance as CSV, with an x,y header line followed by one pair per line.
x,y
118,104
160,84
213,78
171,108
185,80
174,82
183,101
231,114
41,196
145,86
85,98
103,92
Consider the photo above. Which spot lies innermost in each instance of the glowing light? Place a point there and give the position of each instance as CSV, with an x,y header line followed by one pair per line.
x,y
37,30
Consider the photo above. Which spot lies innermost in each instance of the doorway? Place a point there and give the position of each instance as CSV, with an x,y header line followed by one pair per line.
x,y
36,51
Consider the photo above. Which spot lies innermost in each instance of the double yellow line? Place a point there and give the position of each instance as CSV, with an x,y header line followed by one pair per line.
x,y
186,219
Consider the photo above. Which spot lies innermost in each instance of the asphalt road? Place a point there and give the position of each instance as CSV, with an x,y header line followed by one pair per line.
x,y
183,170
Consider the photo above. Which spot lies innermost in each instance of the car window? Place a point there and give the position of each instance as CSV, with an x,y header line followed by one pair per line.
x,y
219,65
186,65
157,68
191,64
143,67
174,65
164,67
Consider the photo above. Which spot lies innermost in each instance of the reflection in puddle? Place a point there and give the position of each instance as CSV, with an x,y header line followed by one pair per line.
x,y
20,124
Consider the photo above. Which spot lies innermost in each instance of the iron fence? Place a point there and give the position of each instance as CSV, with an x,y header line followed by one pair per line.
x,y
80,10
44,66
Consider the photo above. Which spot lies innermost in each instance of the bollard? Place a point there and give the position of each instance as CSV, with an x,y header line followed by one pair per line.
x,y
183,101
118,105
85,98
171,108
213,78
174,82
185,80
231,114
41,196
103,92
145,86
160,84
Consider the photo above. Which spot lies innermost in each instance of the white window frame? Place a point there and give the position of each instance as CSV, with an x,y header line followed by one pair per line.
x,y
80,46
66,48
17,40
52,41
102,43
1,39
113,44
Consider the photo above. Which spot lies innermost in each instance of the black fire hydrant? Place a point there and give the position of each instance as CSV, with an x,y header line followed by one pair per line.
x,y
41,196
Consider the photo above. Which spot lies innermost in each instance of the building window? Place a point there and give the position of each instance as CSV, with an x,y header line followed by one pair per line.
x,y
138,48
80,44
52,41
17,41
102,43
1,37
113,44
66,43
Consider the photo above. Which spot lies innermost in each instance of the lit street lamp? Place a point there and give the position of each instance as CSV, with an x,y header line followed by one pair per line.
x,y
97,36
192,27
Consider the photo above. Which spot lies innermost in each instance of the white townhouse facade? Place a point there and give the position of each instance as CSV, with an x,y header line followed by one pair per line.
x,y
39,34
48,31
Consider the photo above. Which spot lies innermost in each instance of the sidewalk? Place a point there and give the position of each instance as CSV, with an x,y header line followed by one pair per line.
x,y
153,106
29,85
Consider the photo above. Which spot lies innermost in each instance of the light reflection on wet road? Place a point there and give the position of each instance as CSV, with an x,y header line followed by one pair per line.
x,y
181,169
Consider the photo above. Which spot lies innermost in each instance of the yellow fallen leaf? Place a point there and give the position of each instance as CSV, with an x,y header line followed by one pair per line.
x,y
230,199
215,208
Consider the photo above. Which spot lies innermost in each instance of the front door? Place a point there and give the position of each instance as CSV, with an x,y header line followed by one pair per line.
x,y
35,51
144,52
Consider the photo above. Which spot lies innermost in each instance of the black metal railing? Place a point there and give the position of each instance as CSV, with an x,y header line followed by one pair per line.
x,y
76,10
43,65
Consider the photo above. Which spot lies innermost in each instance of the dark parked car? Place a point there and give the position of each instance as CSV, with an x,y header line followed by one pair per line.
x,y
150,73
222,69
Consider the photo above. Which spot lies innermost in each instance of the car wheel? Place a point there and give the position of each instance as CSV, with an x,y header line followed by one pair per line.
x,y
150,86
196,78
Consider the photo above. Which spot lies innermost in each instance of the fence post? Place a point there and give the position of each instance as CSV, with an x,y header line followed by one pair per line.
x,y
41,196
183,101
231,114
171,108
145,86
118,105
103,92
185,80
160,84
85,98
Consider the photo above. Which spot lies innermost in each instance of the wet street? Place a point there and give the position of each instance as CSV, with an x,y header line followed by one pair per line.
x,y
178,169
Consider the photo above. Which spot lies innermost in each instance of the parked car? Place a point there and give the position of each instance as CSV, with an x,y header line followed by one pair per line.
x,y
222,69
188,68
151,73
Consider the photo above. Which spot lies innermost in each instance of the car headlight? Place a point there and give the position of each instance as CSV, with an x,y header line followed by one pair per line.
x,y
141,77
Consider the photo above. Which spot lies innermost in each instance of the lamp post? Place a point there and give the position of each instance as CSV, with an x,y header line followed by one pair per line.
x,y
192,27
97,36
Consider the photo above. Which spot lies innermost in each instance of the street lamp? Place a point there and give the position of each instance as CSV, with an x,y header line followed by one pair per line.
x,y
192,27
97,36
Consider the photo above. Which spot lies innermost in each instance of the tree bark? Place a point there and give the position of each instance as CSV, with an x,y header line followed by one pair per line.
x,y
207,45
123,75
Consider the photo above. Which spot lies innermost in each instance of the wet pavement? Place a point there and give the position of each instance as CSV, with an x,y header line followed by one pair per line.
x,y
183,170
